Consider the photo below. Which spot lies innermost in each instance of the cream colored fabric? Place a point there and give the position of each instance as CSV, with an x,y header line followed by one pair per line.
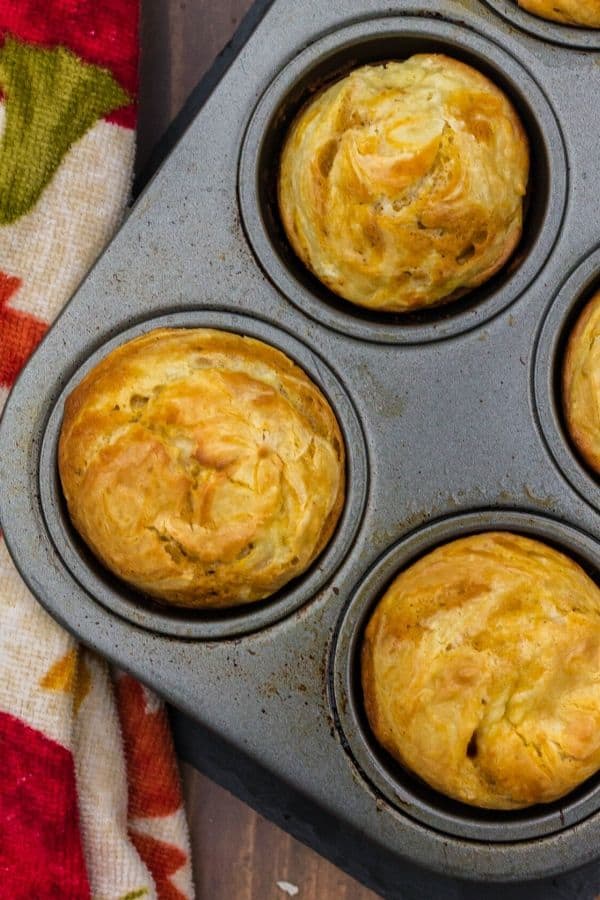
x,y
89,180
45,678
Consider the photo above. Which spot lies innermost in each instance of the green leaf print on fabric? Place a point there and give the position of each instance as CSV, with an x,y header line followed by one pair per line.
x,y
51,99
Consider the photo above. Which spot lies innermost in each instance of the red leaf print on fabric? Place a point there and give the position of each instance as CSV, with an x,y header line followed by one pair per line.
x,y
105,34
40,851
163,860
20,333
151,770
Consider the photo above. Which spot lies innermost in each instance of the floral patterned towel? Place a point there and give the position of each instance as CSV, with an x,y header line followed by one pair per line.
x,y
90,802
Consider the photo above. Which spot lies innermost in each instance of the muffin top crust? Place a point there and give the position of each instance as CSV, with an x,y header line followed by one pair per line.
x,y
202,467
402,184
481,671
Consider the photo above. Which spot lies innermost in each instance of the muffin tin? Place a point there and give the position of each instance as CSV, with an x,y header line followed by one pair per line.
x,y
451,419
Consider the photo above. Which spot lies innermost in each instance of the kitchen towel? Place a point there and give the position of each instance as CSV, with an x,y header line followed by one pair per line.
x,y
90,801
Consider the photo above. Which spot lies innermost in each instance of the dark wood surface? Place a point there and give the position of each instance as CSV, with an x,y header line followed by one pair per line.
x,y
237,854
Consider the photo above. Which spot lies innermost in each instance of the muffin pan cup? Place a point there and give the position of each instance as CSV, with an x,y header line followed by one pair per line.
x,y
209,624
547,29
336,54
450,421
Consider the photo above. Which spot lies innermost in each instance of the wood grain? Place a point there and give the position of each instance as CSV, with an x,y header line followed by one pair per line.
x,y
237,854
180,39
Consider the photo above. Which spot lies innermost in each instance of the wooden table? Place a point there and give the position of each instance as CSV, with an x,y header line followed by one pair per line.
x,y
237,854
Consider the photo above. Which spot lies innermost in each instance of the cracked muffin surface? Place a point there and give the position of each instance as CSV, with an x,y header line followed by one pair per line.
x,y
481,671
581,383
202,467
402,184
569,12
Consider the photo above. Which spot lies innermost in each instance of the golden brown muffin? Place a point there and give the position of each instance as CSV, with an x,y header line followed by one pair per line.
x,y
571,12
581,384
204,468
401,185
481,671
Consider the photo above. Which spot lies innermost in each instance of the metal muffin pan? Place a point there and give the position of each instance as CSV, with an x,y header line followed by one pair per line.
x,y
451,420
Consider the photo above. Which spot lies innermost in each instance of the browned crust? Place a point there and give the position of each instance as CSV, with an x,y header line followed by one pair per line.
x,y
407,302
584,13
574,350
105,443
479,671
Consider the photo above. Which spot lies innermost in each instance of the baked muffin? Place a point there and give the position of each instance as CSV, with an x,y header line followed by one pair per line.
x,y
402,185
571,12
204,468
581,384
481,671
